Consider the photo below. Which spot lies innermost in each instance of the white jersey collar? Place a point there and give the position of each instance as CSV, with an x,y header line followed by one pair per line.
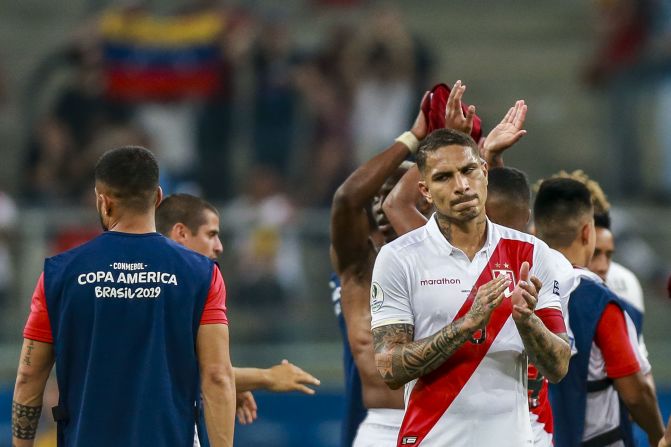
x,y
584,273
441,240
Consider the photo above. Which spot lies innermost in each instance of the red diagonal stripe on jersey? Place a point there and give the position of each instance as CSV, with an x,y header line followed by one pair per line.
x,y
434,393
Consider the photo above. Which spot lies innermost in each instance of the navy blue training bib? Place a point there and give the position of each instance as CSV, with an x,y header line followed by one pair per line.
x,y
124,312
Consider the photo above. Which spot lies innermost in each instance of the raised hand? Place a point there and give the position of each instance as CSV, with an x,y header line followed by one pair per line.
x,y
245,407
421,127
525,295
508,131
454,115
289,377
488,298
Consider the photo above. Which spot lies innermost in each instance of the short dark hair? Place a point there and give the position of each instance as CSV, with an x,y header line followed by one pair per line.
x,y
602,220
511,184
441,138
182,208
131,173
559,209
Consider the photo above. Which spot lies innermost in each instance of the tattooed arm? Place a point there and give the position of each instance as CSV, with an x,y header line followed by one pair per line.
x,y
399,359
37,359
549,352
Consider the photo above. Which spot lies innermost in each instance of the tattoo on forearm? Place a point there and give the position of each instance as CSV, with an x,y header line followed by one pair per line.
x,y
29,351
400,360
25,420
549,352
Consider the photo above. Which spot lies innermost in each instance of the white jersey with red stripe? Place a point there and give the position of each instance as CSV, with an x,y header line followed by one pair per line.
x,y
479,395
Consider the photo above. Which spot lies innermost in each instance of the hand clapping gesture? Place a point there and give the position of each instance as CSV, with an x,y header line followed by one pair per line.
x,y
525,295
454,114
506,133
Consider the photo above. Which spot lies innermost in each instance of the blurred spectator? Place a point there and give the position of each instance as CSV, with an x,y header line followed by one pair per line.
x,y
269,266
50,155
215,131
275,97
82,107
623,30
381,71
8,222
323,88
660,55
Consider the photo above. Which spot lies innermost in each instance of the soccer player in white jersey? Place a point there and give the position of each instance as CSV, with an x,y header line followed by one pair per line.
x,y
455,311
508,197
608,366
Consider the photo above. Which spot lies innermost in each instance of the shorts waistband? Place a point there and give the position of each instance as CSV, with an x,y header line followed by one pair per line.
x,y
385,416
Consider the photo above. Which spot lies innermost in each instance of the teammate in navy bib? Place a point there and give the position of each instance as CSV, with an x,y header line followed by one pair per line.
x,y
136,325
606,375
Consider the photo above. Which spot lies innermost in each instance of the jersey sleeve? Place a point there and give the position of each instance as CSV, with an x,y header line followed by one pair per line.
x,y
214,311
38,327
389,293
613,339
557,276
552,319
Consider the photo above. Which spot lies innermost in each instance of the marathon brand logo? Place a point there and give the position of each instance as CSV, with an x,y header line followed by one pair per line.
x,y
440,281
409,440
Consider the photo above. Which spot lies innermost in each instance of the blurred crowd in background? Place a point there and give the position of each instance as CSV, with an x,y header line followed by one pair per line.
x,y
196,84
241,111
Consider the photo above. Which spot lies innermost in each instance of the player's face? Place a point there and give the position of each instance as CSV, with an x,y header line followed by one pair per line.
x,y
603,253
455,181
206,240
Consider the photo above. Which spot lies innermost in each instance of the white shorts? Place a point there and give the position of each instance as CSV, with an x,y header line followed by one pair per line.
x,y
379,429
196,441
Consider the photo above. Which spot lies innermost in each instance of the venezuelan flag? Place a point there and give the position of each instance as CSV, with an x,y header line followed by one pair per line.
x,y
161,58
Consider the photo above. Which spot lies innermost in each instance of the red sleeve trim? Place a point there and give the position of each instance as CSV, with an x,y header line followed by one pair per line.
x,y
553,319
38,326
215,304
613,339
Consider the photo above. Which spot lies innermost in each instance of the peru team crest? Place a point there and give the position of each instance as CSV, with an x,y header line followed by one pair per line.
x,y
509,273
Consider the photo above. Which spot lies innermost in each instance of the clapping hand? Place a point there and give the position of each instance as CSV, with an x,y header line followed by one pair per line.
x,y
525,295
454,114
507,132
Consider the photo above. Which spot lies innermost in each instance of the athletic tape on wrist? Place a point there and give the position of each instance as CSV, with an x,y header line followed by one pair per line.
x,y
410,140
